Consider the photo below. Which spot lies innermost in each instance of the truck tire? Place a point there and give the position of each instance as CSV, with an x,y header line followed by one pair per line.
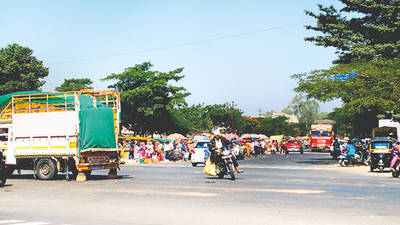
x,y
46,169
3,177
87,173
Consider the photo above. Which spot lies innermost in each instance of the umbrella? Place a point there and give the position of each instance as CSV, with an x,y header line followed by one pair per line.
x,y
163,140
250,136
263,136
200,138
175,136
232,136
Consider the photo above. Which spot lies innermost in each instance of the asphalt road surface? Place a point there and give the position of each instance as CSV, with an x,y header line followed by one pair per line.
x,y
274,189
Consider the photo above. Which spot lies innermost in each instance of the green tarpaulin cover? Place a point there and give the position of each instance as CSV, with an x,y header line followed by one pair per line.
x,y
96,128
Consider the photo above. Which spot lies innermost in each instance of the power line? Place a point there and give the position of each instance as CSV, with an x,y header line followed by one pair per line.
x,y
182,45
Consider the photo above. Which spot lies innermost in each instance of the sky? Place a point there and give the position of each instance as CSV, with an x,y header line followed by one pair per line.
x,y
243,51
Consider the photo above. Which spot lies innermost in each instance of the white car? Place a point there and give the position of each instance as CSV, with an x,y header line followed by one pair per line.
x,y
198,154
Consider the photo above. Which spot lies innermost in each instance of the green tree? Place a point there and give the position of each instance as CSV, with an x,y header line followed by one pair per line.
x,y
306,111
20,70
269,113
369,88
223,115
147,97
197,119
371,32
75,84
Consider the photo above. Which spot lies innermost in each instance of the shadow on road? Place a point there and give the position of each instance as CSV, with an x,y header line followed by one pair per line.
x,y
318,161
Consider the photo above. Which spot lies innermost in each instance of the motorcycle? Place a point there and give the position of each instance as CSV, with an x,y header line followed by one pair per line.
x,y
175,155
225,166
360,156
395,166
3,175
335,152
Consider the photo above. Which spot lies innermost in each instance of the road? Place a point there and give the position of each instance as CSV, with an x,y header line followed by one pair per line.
x,y
274,189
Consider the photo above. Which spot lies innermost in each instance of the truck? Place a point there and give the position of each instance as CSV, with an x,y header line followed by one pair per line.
x,y
60,132
322,134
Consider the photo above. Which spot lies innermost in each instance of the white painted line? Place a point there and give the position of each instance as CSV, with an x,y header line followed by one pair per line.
x,y
32,223
10,221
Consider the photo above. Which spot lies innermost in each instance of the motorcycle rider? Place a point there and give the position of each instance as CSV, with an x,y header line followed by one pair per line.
x,y
217,143
395,152
336,147
350,148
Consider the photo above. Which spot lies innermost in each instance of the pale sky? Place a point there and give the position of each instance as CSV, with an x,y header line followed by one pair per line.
x,y
241,51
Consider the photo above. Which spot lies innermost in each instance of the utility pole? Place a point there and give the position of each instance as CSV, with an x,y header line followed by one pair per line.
x,y
233,116
259,110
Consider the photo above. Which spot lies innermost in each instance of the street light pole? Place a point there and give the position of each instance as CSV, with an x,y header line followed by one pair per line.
x,y
233,116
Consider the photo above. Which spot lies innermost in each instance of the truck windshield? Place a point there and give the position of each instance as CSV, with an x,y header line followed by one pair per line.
x,y
3,134
321,134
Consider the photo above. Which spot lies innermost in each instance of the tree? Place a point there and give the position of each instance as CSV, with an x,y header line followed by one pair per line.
x,y
75,84
372,33
368,87
306,110
197,119
19,70
147,97
372,84
269,113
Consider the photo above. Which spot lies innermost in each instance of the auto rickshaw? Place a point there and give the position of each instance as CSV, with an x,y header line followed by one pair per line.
x,y
381,156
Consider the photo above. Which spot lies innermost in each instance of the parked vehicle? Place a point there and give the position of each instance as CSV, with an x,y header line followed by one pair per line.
x,y
226,166
380,153
352,156
293,146
200,152
322,134
175,155
3,176
56,132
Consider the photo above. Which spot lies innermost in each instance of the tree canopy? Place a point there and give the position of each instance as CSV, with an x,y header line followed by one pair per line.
x,y
147,97
306,111
75,84
20,70
372,32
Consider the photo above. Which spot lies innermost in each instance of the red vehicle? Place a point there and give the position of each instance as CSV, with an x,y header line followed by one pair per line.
x,y
322,134
293,146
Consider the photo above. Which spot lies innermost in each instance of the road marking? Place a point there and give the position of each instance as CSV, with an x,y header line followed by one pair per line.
x,y
10,221
31,223
285,167
194,194
21,222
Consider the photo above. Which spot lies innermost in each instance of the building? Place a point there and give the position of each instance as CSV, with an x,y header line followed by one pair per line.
x,y
291,118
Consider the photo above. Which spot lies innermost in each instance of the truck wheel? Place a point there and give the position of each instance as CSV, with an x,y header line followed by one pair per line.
x,y
194,164
87,173
46,169
8,171
395,174
3,177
